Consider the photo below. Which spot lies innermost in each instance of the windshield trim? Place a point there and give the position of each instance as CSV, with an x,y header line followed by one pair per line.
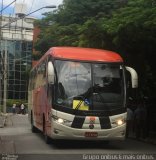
x,y
92,63
87,61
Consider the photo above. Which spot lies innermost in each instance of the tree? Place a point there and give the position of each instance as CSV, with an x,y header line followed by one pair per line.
x,y
76,23
79,11
133,31
125,26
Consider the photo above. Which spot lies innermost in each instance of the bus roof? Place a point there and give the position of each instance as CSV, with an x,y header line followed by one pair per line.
x,y
85,54
82,54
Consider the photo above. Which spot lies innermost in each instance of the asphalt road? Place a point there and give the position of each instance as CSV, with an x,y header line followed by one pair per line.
x,y
17,142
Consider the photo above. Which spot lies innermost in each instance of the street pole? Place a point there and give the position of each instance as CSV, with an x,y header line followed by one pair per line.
x,y
1,55
5,78
5,25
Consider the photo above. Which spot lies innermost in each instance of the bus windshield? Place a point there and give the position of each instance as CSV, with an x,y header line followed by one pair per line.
x,y
89,86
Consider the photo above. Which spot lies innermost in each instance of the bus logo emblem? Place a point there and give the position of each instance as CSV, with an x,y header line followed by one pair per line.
x,y
92,120
91,126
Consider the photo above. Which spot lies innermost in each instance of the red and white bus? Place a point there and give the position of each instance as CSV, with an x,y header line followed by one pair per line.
x,y
79,93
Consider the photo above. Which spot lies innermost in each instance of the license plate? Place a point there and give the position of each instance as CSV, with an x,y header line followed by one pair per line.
x,y
91,134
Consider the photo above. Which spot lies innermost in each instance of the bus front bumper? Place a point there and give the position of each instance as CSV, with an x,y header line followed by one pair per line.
x,y
60,131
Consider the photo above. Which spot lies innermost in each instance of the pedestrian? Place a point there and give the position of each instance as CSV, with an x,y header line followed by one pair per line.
x,y
140,115
129,124
22,109
14,108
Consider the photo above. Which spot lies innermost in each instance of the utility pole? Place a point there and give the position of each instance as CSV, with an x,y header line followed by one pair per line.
x,y
1,53
5,78
3,61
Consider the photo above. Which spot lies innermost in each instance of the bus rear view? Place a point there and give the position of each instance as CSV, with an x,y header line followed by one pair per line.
x,y
86,95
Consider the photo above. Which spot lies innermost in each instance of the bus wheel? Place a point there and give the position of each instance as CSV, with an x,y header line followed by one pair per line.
x,y
106,142
46,137
33,128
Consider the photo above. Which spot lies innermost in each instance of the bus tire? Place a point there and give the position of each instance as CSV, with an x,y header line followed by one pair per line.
x,y
106,142
46,137
33,128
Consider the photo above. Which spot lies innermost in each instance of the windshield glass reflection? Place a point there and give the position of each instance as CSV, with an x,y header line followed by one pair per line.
x,y
87,86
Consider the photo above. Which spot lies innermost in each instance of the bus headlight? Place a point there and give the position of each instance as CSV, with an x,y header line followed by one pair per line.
x,y
61,121
118,122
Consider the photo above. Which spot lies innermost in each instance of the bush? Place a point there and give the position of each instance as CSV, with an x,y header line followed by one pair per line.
x,y
18,102
0,108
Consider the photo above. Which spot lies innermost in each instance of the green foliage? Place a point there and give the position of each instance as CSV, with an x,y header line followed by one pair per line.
x,y
1,109
133,30
79,11
65,26
10,102
126,26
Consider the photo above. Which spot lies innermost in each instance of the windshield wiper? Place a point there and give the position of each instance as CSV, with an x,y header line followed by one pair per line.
x,y
90,92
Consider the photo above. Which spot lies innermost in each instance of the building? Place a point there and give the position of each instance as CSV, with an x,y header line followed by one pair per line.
x,y
35,37
16,36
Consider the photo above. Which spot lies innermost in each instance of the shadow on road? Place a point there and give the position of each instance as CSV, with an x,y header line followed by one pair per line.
x,y
75,144
82,144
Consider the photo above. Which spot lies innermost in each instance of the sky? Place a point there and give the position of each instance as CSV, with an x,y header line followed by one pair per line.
x,y
32,5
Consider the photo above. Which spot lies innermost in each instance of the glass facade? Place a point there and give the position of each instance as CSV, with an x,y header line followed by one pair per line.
x,y
19,58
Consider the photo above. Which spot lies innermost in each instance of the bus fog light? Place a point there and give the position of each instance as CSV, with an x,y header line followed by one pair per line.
x,y
122,133
56,131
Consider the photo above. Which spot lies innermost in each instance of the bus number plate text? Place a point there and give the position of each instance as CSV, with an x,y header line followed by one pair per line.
x,y
91,134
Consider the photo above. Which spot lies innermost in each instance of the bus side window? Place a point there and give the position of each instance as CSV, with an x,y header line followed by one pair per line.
x,y
34,78
30,82
44,70
50,87
49,94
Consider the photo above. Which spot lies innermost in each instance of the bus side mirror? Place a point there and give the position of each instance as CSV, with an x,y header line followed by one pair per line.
x,y
50,73
134,77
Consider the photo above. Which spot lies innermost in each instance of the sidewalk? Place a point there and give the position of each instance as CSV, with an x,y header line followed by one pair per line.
x,y
5,119
13,125
151,140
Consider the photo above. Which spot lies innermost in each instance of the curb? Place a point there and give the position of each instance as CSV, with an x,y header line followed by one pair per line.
x,y
147,140
2,121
